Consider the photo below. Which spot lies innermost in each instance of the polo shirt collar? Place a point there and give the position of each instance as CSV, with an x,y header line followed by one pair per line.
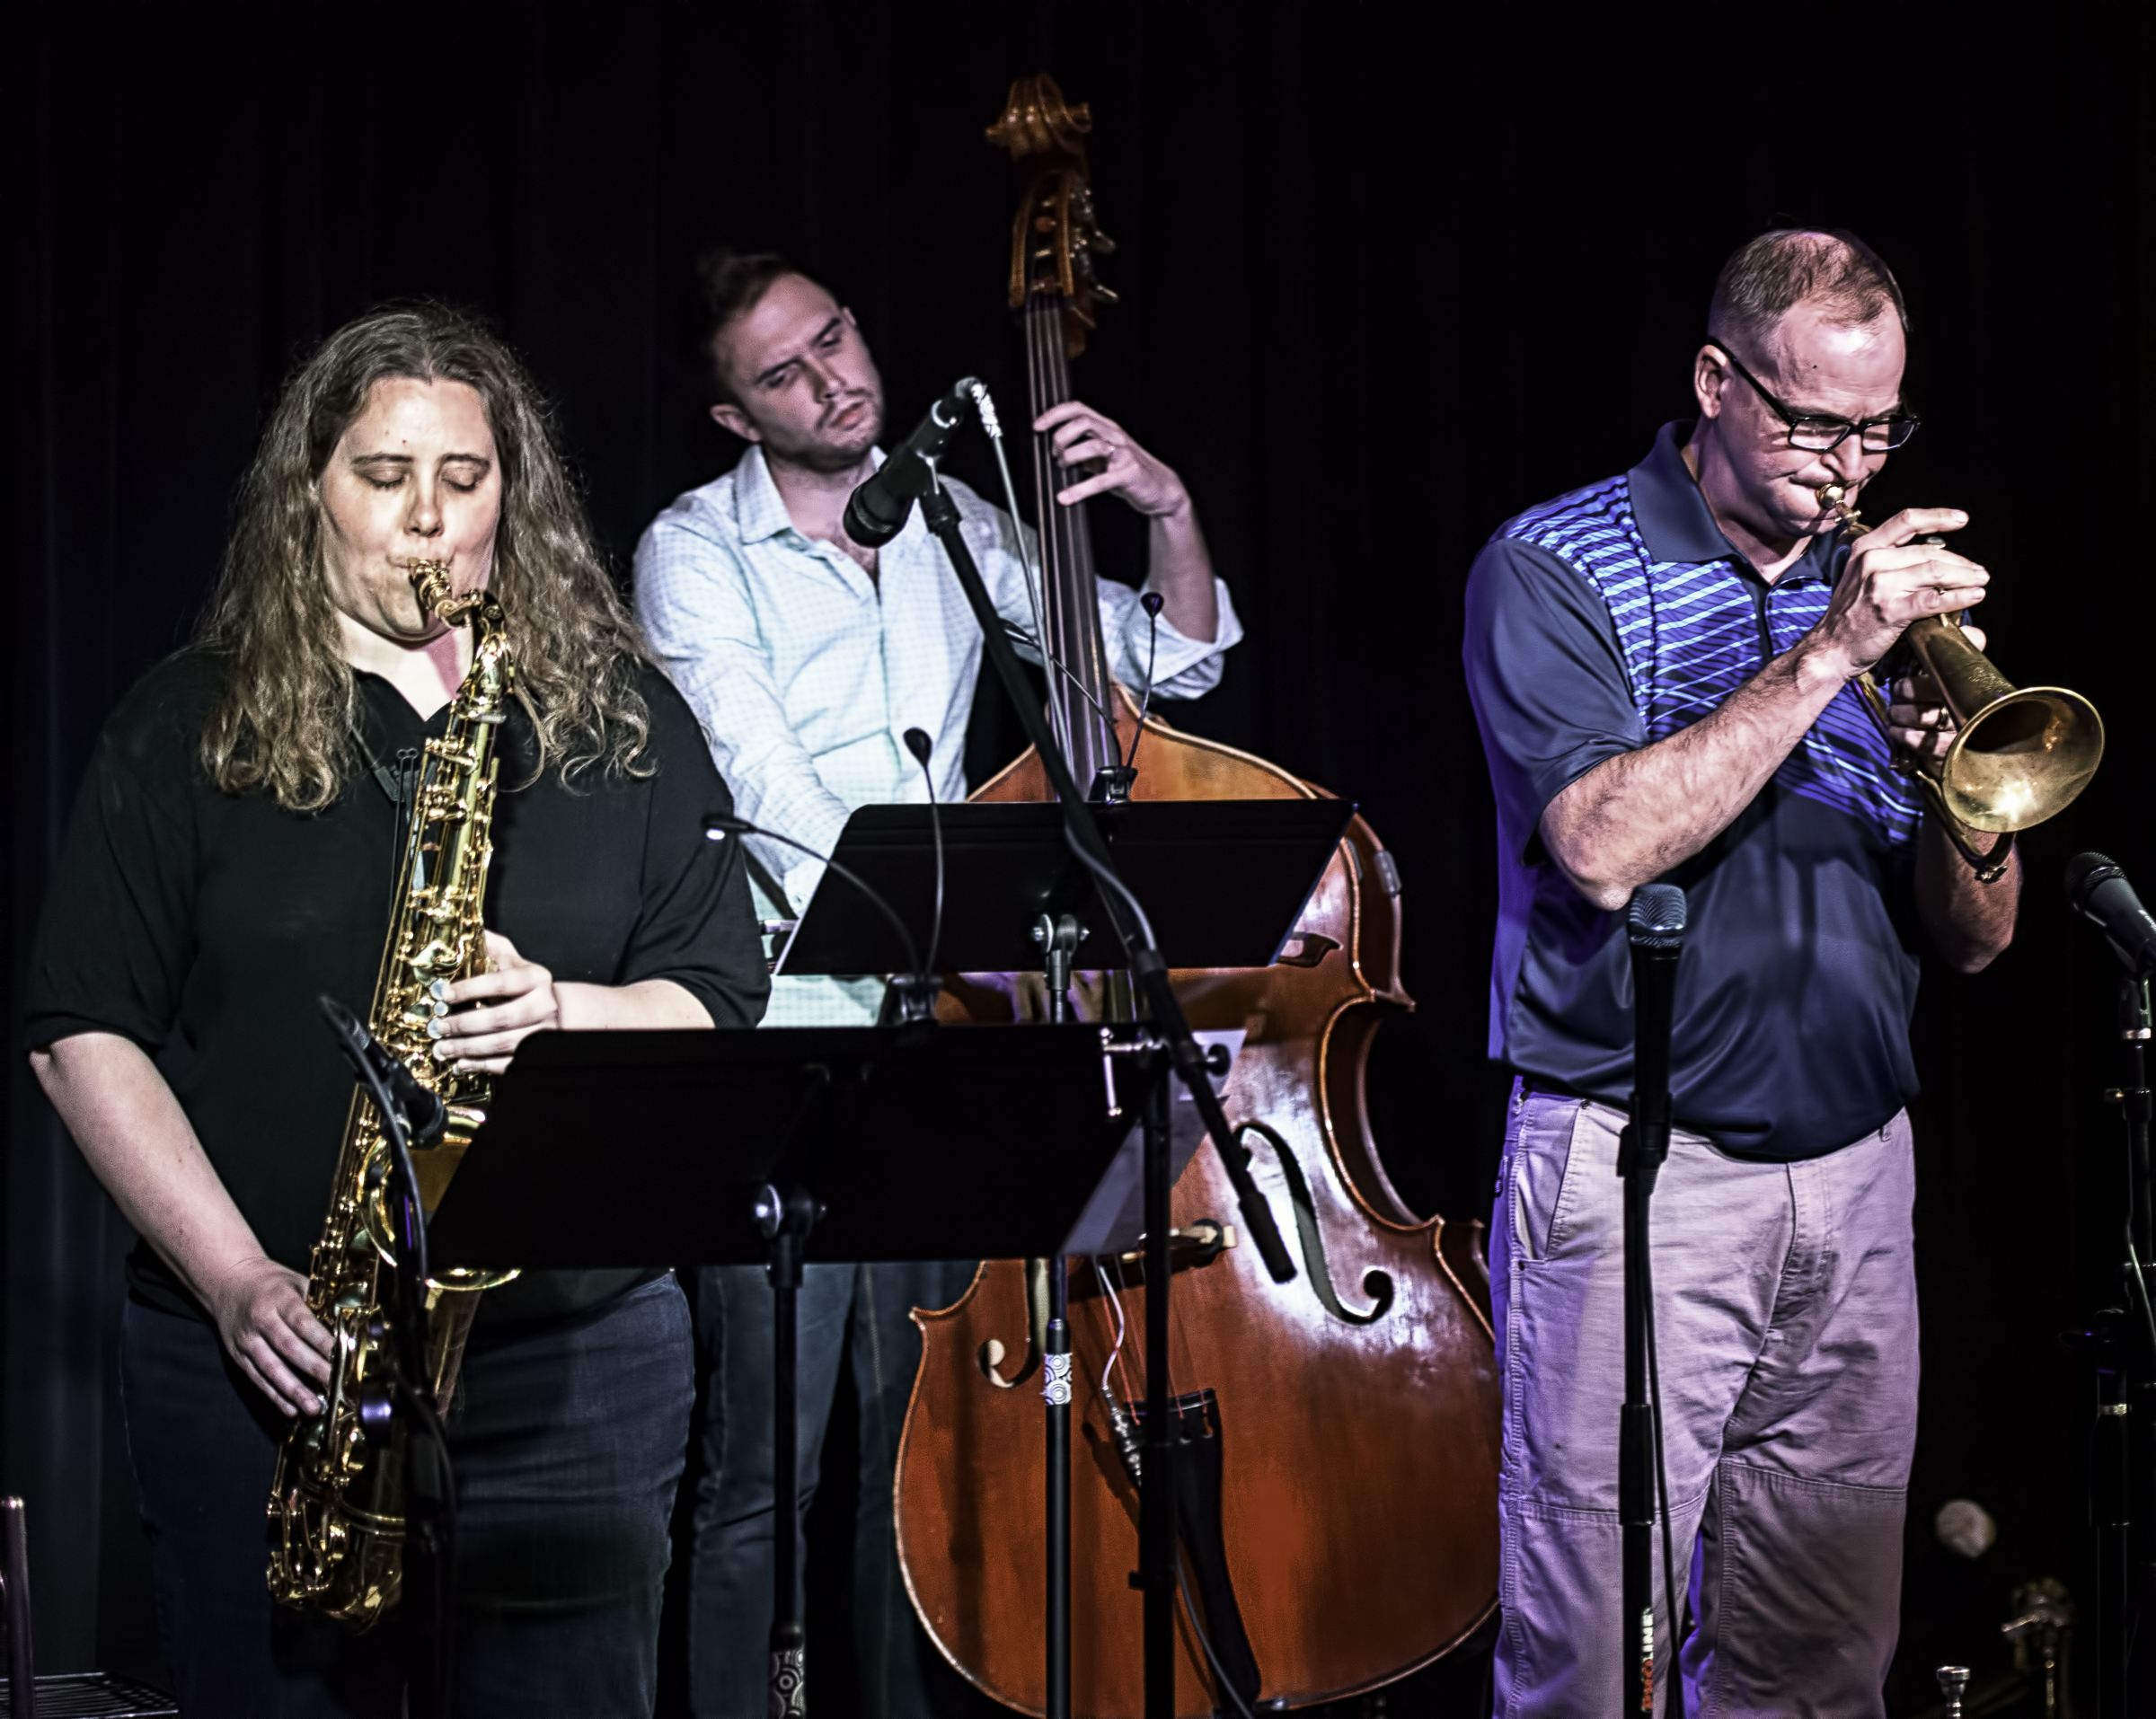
x,y
759,510
1677,525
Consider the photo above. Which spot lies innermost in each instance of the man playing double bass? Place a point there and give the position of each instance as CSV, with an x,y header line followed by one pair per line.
x,y
1664,667
808,656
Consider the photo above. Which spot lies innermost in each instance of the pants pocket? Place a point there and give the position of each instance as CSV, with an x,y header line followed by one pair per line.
x,y
1540,1168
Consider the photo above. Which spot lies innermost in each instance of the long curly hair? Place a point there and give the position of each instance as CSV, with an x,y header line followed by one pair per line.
x,y
284,720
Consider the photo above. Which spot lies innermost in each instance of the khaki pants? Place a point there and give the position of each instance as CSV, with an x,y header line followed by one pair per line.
x,y
1785,1305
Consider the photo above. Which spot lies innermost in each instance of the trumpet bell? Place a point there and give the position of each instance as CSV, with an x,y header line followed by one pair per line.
x,y
2020,755
2022,758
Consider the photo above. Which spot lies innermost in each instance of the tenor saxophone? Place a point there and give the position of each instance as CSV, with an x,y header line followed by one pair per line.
x,y
337,1505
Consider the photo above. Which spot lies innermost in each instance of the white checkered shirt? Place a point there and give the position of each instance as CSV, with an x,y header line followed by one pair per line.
x,y
806,672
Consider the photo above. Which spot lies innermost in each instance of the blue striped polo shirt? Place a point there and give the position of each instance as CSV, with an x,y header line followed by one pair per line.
x,y
1607,620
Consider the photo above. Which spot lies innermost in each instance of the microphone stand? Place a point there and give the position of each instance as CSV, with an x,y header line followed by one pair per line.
x,y
1159,1564
1656,927
412,1118
2121,1344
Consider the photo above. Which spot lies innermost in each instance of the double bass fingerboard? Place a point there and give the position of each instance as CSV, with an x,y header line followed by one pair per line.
x,y
1082,697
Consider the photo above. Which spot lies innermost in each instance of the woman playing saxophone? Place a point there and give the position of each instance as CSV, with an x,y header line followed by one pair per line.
x,y
230,859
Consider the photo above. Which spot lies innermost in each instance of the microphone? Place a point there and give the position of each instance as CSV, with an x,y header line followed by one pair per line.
x,y
1656,927
877,511
411,1116
2097,890
918,743
907,986
418,1108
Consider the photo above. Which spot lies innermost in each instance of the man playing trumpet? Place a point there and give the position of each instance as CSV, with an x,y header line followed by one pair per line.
x,y
1664,669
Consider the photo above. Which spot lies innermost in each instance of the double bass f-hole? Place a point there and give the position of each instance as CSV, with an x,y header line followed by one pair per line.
x,y
1377,1284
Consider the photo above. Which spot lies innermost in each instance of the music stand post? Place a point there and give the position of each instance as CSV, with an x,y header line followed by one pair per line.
x,y
1158,1569
785,1220
1059,937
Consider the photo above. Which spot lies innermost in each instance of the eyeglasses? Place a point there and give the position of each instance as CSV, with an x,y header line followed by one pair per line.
x,y
1815,432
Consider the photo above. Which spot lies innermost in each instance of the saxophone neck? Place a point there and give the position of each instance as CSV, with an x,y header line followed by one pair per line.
x,y
491,677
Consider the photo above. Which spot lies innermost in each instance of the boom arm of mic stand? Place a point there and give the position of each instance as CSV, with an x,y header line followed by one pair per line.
x,y
941,515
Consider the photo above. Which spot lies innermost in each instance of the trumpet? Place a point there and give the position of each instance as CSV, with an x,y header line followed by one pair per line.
x,y
2019,755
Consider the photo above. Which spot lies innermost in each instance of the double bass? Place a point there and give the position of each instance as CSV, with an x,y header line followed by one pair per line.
x,y
1338,1470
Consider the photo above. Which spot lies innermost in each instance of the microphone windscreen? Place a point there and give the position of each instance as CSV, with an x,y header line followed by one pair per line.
x,y
1657,917
2084,872
918,743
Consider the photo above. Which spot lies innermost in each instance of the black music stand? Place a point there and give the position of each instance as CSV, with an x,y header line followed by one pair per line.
x,y
791,1144
1224,882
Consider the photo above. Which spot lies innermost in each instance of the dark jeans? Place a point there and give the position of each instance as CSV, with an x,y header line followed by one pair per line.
x,y
567,1444
731,1577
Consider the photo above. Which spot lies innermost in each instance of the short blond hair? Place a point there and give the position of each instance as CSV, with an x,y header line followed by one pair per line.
x,y
1771,275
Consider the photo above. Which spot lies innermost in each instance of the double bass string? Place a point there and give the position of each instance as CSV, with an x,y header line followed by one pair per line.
x,y
1066,543
1070,575
1049,642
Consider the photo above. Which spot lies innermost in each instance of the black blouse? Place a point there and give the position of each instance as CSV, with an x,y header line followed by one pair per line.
x,y
203,925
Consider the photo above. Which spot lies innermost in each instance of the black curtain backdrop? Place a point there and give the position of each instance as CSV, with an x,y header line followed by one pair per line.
x,y
1388,275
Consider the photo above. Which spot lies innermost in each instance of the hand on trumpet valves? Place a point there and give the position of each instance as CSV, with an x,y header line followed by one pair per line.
x,y
1890,580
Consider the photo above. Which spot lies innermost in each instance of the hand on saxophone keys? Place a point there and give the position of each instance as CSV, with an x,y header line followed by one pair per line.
x,y
263,1320
507,1006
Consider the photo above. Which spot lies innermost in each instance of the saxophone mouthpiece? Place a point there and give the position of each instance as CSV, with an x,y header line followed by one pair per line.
x,y
430,583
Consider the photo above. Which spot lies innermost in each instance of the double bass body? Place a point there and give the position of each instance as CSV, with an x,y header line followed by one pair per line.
x,y
1336,1468
1358,1456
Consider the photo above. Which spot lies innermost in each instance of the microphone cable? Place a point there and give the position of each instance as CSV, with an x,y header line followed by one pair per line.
x,y
984,404
1152,602
1654,1397
718,825
1024,637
